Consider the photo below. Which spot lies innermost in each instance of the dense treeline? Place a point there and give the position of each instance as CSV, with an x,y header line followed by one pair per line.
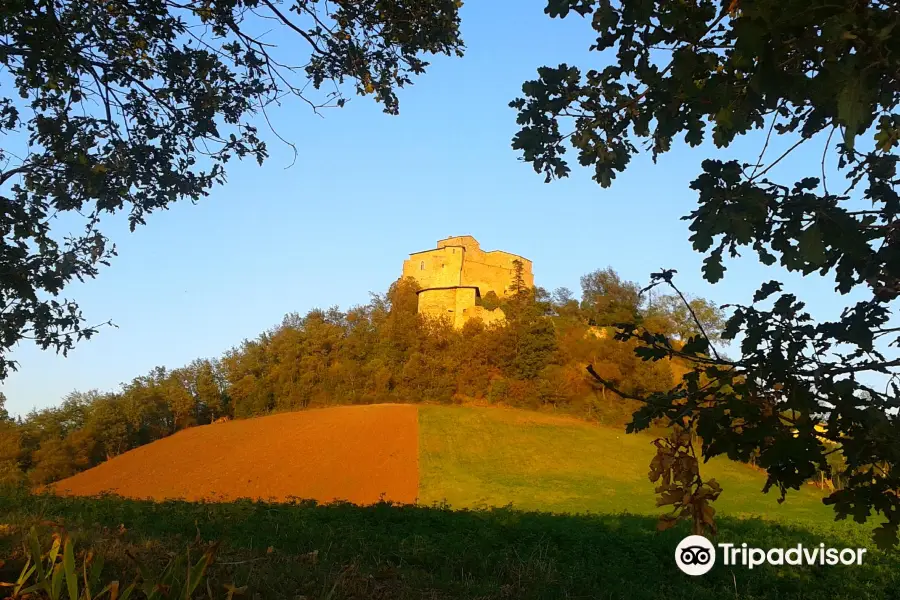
x,y
380,352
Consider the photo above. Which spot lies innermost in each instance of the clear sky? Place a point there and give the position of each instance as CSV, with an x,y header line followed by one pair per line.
x,y
368,189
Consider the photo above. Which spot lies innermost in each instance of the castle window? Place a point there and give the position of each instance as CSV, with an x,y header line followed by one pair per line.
x,y
422,266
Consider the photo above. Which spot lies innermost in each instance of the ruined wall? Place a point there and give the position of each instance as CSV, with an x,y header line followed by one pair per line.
x,y
488,317
494,271
438,304
435,268
453,304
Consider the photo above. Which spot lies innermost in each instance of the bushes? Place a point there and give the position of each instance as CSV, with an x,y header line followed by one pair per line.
x,y
54,574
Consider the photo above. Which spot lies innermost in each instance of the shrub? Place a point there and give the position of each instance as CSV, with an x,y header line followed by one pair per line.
x,y
45,573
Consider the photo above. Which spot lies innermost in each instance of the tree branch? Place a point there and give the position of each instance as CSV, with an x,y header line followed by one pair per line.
x,y
13,172
290,24
615,390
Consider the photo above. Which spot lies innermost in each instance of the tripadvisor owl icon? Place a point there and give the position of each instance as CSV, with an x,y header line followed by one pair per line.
x,y
695,555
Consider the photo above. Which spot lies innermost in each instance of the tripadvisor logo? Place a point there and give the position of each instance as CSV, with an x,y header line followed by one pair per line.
x,y
696,555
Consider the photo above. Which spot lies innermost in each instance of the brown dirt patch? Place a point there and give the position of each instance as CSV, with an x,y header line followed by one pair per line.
x,y
354,453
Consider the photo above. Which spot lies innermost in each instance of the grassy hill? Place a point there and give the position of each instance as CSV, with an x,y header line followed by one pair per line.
x,y
491,457
550,469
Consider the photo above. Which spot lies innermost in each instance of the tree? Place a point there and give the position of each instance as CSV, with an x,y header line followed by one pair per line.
x,y
685,318
490,300
133,105
209,390
802,73
10,454
4,414
517,288
52,461
606,299
113,432
561,296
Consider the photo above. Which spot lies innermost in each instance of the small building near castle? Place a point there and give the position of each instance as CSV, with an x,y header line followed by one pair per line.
x,y
454,277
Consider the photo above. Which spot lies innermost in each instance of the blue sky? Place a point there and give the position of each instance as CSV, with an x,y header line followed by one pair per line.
x,y
368,189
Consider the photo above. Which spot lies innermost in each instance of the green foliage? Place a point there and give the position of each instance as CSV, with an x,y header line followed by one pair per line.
x,y
490,301
10,454
518,287
685,320
797,72
125,108
4,415
607,299
44,573
342,551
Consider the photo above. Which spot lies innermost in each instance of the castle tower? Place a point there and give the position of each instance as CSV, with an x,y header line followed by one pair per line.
x,y
454,277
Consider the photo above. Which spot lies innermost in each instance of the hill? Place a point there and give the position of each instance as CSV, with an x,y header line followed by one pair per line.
x,y
358,454
548,467
381,352
473,457
465,456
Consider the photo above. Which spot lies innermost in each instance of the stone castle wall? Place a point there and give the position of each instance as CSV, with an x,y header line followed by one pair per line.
x,y
454,275
435,268
494,271
450,303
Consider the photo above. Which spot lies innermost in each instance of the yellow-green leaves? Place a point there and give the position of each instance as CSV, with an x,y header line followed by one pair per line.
x,y
46,573
852,109
888,133
71,574
812,246
677,472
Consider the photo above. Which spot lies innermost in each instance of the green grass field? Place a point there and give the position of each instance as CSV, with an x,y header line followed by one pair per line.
x,y
581,525
472,457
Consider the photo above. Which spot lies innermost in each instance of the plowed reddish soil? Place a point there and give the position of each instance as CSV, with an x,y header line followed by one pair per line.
x,y
354,453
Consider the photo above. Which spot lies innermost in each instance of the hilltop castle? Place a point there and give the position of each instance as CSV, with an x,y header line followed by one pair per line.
x,y
455,276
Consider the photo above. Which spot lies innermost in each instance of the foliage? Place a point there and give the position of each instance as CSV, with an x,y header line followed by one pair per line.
x,y
343,552
607,299
518,287
677,471
684,319
798,72
131,106
10,454
4,414
44,574
381,352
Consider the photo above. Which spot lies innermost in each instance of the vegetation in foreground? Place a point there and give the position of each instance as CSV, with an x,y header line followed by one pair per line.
x,y
55,574
384,551
813,86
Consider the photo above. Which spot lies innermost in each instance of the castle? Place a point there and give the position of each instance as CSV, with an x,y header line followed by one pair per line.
x,y
454,277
